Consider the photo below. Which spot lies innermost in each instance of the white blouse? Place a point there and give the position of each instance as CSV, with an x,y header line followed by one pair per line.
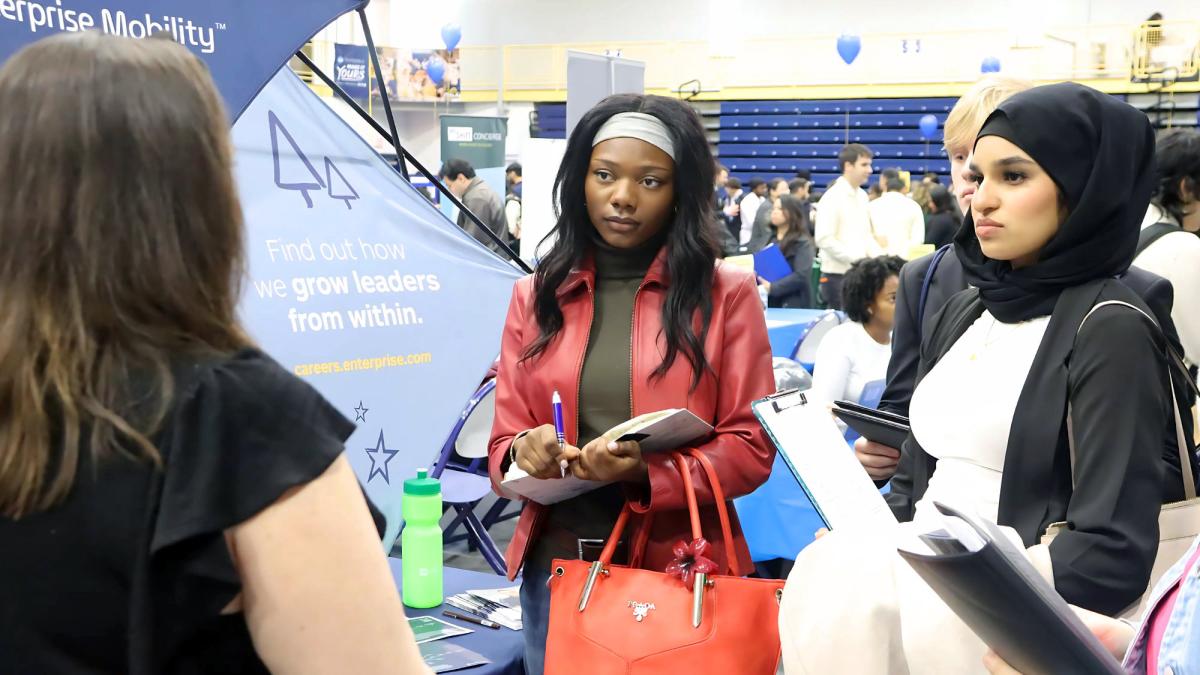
x,y
962,411
847,359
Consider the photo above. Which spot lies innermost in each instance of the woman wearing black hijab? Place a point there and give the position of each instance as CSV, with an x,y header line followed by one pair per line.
x,y
1065,174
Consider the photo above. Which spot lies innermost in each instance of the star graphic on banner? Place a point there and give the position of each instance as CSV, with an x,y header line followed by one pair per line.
x,y
360,413
381,468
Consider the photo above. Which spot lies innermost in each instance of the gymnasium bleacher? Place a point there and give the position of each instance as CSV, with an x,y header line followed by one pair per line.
x,y
779,138
548,120
771,139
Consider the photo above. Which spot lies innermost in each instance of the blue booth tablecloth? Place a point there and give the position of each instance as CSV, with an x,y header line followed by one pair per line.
x,y
778,519
785,326
504,648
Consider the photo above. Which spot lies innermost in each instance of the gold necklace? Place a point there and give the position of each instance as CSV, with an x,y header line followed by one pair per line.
x,y
987,340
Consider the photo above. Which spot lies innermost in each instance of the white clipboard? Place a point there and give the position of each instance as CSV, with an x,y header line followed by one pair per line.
x,y
806,436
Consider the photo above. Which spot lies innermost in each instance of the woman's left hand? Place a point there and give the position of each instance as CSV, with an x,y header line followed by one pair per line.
x,y
605,460
997,666
1115,635
765,284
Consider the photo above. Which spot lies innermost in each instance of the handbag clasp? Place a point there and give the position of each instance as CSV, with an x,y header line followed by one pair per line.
x,y
596,570
698,587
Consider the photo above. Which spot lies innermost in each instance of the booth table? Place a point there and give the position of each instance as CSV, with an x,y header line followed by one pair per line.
x,y
504,648
778,519
785,326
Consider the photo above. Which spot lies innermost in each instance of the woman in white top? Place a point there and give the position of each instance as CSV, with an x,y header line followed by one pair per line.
x,y
1053,221
857,352
1173,251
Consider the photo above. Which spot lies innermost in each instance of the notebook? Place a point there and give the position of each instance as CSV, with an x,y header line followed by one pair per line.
x,y
657,431
994,589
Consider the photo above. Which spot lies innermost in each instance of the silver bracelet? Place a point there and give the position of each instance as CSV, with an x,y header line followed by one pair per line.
x,y
512,447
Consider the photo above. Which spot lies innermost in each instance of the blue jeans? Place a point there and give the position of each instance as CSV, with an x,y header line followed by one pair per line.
x,y
535,618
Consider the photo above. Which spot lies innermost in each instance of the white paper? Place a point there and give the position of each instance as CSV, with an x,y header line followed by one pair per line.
x,y
805,434
665,430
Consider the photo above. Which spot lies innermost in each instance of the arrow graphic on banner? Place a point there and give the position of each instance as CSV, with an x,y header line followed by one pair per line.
x,y
338,187
345,191
299,185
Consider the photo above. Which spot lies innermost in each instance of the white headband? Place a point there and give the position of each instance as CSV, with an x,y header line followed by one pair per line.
x,y
637,125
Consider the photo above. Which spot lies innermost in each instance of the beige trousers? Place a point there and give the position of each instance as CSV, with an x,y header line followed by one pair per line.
x,y
852,605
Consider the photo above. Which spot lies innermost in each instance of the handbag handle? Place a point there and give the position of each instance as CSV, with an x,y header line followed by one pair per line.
x,y
718,500
1185,464
637,551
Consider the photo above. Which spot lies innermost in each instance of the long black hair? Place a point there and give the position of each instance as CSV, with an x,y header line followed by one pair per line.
x,y
797,220
691,246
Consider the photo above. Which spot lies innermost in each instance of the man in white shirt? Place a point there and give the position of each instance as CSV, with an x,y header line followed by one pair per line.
x,y
844,232
749,208
1171,249
898,221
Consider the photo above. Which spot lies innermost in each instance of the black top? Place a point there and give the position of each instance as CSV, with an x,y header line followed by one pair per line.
x,y
940,228
795,290
130,573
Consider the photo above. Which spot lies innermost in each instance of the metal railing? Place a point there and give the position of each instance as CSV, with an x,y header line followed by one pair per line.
x,y
1117,52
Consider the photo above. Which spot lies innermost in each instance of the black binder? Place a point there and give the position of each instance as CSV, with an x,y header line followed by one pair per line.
x,y
994,589
876,425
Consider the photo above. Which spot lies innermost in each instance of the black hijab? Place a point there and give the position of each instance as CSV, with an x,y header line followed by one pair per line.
x,y
1100,153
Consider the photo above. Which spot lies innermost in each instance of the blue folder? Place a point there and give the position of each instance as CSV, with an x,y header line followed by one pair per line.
x,y
770,264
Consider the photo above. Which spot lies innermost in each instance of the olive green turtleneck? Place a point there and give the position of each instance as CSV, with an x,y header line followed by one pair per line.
x,y
604,391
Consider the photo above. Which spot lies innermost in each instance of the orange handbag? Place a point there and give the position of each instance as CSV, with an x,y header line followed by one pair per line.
x,y
609,619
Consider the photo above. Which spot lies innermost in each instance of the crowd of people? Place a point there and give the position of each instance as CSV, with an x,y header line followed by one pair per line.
x,y
896,216
186,501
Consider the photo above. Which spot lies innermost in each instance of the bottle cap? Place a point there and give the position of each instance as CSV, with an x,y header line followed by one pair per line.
x,y
422,484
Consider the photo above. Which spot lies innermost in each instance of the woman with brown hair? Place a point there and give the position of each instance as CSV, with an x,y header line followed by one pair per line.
x,y
171,499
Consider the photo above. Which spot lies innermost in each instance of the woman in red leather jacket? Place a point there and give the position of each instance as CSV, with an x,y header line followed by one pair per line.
x,y
628,313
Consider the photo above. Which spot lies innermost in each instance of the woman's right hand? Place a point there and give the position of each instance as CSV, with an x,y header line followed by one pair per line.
x,y
538,452
879,460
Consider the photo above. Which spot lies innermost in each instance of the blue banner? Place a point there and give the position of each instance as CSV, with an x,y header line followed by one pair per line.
x,y
351,64
244,43
361,286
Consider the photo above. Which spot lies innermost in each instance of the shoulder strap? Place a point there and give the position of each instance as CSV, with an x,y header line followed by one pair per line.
x,y
1185,463
1152,234
948,324
933,264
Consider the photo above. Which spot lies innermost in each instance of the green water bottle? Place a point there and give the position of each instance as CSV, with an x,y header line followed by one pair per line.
x,y
421,542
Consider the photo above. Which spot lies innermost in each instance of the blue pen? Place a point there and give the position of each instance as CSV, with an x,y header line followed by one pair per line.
x,y
556,401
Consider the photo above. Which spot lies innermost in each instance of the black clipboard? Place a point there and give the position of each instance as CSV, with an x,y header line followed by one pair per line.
x,y
876,425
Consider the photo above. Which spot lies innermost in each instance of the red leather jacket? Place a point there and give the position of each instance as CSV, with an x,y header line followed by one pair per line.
x,y
739,353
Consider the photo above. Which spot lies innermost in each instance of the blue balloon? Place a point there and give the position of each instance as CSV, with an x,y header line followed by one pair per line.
x,y
848,47
929,126
436,69
451,34
990,64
